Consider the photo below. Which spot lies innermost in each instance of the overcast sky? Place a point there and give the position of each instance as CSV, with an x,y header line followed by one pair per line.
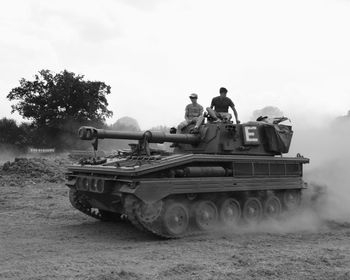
x,y
291,54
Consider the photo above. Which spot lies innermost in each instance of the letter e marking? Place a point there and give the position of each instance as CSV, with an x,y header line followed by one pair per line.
x,y
251,136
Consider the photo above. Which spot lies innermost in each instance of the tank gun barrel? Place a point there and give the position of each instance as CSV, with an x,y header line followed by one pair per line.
x,y
90,133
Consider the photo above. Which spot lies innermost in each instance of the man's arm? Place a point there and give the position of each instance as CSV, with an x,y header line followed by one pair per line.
x,y
235,113
212,104
201,111
187,112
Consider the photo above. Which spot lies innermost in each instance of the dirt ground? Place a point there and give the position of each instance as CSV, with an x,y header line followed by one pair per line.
x,y
43,237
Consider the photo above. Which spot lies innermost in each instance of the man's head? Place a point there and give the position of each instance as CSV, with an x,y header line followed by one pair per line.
x,y
223,91
193,97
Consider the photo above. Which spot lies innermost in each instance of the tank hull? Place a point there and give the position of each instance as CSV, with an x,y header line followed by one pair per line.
x,y
175,195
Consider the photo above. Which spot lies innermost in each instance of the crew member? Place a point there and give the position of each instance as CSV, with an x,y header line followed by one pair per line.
x,y
219,107
193,114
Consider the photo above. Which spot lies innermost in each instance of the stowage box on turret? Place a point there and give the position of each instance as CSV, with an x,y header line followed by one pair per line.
x,y
220,174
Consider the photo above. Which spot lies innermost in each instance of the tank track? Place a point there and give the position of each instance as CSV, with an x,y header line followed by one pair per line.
x,y
133,206
156,225
155,228
80,202
130,207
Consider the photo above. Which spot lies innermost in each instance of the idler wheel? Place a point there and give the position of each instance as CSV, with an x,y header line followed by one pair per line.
x,y
230,211
291,199
175,218
272,207
149,212
252,210
205,215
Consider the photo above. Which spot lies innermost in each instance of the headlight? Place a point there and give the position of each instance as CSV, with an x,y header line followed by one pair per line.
x,y
100,186
93,185
85,184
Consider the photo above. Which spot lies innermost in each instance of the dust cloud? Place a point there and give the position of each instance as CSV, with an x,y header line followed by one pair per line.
x,y
8,153
326,201
329,168
327,198
326,142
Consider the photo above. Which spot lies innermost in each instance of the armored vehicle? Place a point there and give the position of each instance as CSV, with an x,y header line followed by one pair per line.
x,y
220,174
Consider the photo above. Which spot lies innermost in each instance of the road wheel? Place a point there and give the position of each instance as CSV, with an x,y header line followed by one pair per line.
x,y
252,210
175,218
291,199
272,207
230,211
205,215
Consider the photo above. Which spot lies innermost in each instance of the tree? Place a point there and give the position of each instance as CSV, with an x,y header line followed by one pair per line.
x,y
13,136
122,124
58,104
161,128
10,133
126,124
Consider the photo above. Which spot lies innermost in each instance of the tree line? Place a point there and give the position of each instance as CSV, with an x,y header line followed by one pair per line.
x,y
55,105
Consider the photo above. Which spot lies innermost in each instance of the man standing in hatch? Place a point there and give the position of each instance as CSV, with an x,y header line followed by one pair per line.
x,y
220,104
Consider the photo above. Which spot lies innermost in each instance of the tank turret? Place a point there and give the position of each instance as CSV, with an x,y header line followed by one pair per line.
x,y
253,138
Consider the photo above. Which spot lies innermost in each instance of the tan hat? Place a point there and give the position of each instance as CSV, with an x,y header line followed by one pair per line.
x,y
193,95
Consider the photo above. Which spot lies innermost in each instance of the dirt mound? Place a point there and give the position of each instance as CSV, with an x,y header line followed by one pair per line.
x,y
38,169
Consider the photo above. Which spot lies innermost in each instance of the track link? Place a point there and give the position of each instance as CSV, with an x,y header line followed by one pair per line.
x,y
131,205
155,228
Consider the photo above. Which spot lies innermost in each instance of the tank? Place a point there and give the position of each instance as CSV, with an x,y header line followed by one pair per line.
x,y
222,174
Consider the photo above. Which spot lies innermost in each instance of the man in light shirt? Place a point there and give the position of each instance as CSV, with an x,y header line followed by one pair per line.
x,y
193,114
